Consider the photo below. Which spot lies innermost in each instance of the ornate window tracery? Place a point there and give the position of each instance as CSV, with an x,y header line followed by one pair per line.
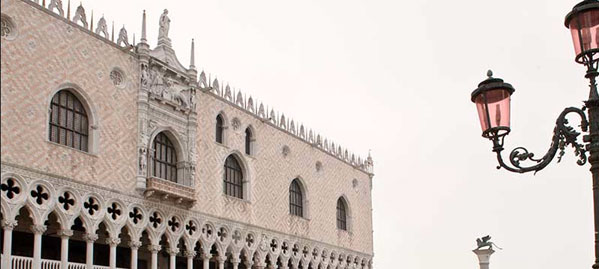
x,y
341,214
296,199
68,121
233,178
164,158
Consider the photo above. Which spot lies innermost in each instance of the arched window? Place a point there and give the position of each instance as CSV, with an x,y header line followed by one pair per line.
x,y
219,128
248,141
341,214
164,158
296,199
68,121
233,178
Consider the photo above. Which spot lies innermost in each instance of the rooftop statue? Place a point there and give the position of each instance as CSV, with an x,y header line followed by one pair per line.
x,y
485,242
164,25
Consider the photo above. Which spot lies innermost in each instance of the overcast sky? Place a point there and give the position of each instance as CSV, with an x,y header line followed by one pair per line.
x,y
396,77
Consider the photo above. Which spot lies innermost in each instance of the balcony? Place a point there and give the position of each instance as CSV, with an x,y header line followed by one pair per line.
x,y
19,262
170,191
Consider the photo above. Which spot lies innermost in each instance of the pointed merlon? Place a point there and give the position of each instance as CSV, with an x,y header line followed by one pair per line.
x,y
143,29
192,59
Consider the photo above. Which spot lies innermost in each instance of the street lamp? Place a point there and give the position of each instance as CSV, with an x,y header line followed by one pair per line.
x,y
493,96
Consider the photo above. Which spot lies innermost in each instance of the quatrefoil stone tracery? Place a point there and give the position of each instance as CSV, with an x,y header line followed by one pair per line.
x,y
155,219
174,224
114,211
11,188
190,227
135,215
40,194
66,200
91,205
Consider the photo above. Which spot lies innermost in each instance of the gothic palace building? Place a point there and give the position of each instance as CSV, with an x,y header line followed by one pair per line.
x,y
115,155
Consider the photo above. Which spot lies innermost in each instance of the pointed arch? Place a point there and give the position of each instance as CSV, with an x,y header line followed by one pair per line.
x,y
233,177
296,198
220,127
250,138
342,214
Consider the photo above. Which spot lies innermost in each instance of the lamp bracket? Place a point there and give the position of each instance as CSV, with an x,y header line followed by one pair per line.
x,y
563,136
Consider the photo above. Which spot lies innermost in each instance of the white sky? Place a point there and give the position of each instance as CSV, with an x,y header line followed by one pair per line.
x,y
396,77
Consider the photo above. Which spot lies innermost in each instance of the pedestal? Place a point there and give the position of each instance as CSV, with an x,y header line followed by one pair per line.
x,y
484,255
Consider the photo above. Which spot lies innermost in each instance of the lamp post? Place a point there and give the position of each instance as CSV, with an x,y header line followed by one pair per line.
x,y
492,99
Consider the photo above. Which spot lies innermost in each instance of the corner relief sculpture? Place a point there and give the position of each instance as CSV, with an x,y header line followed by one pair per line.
x,y
168,88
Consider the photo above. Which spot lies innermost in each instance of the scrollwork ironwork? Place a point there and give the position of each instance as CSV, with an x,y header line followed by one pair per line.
x,y
563,136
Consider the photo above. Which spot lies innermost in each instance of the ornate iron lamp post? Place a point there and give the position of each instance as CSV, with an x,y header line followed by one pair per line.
x,y
492,99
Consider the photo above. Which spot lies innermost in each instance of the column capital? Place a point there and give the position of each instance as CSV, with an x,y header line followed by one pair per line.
x,y
90,237
8,224
190,254
65,233
206,256
113,241
38,229
154,248
235,260
172,251
134,244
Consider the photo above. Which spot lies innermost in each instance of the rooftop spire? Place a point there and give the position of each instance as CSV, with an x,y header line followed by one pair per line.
x,y
143,29
192,60
69,10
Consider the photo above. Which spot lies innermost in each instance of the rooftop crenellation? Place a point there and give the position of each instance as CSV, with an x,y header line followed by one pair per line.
x,y
207,84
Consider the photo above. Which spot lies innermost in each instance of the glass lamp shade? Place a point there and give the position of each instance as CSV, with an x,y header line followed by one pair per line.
x,y
583,22
492,99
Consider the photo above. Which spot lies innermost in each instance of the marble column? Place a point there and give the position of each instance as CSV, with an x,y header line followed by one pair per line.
x,y
221,261
64,247
134,246
190,255
206,260
284,263
113,242
173,257
90,238
7,227
235,262
38,231
154,250
484,255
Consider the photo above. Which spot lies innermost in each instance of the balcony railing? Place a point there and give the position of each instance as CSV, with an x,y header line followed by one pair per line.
x,y
167,190
19,262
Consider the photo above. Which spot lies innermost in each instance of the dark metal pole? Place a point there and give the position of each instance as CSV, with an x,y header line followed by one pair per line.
x,y
593,106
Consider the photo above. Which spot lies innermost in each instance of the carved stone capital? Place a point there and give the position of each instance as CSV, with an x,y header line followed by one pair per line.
x,y
134,244
8,224
154,248
113,241
206,256
172,251
190,254
221,258
65,233
38,229
90,237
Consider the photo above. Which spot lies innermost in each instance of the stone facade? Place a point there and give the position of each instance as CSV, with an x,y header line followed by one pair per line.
x,y
132,93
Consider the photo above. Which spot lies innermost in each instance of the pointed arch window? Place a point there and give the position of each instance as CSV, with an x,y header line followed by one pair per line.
x,y
164,158
296,199
219,128
341,214
233,178
68,121
248,141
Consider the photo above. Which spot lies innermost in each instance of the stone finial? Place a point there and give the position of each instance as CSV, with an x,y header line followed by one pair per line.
x,y
91,25
112,38
80,16
69,10
102,28
203,82
192,58
56,4
143,29
123,38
